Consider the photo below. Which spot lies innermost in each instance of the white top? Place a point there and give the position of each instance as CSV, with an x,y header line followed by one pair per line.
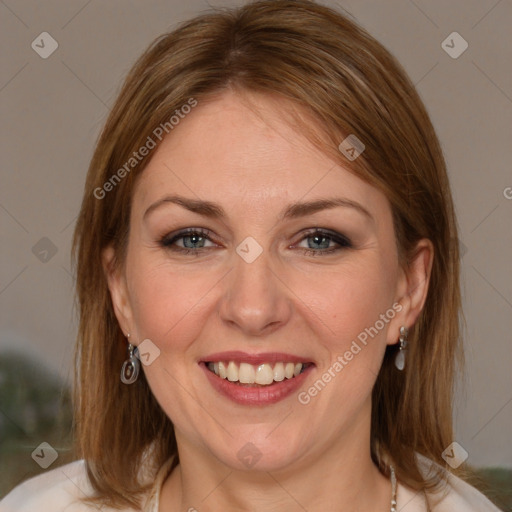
x,y
58,490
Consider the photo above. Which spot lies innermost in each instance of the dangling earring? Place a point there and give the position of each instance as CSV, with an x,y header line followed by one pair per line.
x,y
131,367
400,357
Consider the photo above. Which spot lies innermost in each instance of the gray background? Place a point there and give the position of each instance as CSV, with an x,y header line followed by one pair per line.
x,y
52,110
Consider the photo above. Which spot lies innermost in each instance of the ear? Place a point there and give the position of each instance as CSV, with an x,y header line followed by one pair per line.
x,y
118,290
412,288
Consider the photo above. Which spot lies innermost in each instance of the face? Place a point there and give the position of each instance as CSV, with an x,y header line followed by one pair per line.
x,y
256,285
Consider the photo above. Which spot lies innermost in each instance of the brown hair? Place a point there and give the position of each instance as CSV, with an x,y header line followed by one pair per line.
x,y
337,74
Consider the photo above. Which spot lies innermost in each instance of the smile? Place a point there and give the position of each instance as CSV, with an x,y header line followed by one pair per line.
x,y
264,374
256,379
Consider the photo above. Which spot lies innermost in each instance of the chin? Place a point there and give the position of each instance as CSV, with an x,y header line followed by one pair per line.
x,y
261,452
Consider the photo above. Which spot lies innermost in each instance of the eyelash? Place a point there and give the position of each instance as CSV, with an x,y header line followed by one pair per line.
x,y
342,241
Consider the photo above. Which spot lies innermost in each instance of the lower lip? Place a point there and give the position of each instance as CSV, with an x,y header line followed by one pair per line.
x,y
246,395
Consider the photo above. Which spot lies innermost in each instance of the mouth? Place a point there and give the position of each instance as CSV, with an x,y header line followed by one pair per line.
x,y
261,375
256,379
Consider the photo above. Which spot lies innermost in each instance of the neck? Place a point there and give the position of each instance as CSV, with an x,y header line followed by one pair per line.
x,y
342,477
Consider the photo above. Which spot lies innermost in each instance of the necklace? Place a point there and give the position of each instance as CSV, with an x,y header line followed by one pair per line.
x,y
393,489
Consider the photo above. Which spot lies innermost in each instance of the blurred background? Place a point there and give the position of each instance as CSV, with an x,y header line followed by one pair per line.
x,y
62,63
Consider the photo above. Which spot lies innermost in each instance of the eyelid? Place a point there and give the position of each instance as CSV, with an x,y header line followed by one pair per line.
x,y
333,235
171,237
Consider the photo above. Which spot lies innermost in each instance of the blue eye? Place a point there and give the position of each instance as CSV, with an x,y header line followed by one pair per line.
x,y
190,238
324,238
194,239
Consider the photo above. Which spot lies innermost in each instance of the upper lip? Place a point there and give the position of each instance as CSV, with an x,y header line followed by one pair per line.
x,y
238,356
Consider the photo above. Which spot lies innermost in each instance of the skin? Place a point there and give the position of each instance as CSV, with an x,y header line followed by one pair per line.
x,y
314,457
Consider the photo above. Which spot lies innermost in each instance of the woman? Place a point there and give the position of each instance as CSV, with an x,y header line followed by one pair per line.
x,y
267,252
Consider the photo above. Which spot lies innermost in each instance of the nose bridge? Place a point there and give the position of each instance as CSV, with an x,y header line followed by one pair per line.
x,y
254,298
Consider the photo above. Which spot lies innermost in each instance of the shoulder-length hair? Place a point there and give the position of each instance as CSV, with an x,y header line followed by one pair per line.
x,y
335,73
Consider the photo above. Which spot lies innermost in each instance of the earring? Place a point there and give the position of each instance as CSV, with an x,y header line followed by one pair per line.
x,y
400,357
131,367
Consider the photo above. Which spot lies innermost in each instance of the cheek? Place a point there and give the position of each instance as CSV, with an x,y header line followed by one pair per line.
x,y
354,302
356,306
167,303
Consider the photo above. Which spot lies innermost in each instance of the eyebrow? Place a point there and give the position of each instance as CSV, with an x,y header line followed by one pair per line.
x,y
293,211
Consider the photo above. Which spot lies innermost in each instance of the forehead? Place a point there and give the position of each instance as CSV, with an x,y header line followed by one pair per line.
x,y
229,148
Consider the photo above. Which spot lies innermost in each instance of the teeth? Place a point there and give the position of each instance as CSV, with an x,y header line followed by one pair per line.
x,y
222,373
288,370
279,372
232,372
246,373
262,374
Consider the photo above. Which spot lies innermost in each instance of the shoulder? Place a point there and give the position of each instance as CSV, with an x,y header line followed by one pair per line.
x,y
464,497
455,496
58,489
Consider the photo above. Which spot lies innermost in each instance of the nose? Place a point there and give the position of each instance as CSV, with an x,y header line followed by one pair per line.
x,y
255,299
